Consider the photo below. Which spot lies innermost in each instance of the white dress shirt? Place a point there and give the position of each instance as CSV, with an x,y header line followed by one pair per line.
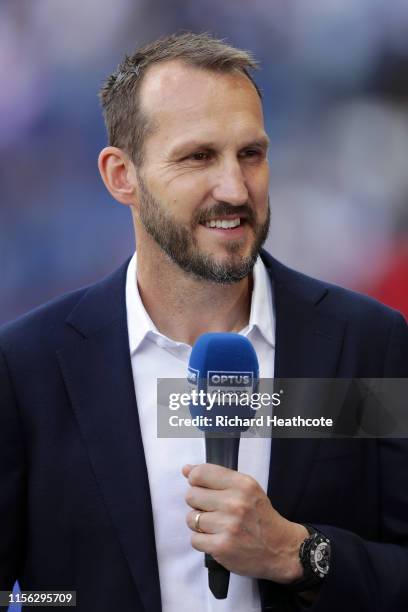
x,y
183,577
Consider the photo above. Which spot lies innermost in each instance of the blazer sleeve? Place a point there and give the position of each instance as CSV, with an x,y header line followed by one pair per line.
x,y
373,576
12,483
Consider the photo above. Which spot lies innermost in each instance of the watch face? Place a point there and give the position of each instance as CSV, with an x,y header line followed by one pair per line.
x,y
320,558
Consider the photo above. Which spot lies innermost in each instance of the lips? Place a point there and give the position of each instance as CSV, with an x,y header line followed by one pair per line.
x,y
216,216
223,223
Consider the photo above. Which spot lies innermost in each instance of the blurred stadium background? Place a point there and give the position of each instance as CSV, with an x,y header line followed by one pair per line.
x,y
335,82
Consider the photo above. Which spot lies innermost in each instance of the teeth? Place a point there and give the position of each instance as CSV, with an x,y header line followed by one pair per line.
x,y
224,224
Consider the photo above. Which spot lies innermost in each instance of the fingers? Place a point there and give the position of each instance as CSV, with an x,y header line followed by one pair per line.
x,y
187,469
203,499
212,476
204,542
231,492
209,522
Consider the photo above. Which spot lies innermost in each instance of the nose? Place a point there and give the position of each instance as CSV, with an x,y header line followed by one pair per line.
x,y
230,186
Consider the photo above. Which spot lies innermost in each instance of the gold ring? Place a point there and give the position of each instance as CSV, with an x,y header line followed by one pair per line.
x,y
197,522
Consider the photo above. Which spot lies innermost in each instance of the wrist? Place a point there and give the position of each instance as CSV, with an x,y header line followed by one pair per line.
x,y
291,569
295,568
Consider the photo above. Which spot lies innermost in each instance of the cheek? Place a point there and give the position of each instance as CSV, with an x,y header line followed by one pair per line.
x,y
260,200
258,183
185,197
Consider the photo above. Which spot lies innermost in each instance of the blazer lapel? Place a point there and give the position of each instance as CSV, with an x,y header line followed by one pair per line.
x,y
308,345
96,367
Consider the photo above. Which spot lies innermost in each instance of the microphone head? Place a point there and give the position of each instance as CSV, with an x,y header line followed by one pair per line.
x,y
224,368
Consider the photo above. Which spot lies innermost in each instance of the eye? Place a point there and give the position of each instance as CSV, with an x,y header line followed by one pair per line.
x,y
199,156
251,153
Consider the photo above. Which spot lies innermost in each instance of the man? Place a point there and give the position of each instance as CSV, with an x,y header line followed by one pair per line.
x,y
91,499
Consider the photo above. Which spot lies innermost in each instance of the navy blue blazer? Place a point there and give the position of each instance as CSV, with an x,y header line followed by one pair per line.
x,y
75,509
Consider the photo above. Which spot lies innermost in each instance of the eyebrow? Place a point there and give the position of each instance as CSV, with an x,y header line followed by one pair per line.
x,y
261,142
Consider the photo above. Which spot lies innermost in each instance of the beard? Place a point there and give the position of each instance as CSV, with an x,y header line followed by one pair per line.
x,y
180,244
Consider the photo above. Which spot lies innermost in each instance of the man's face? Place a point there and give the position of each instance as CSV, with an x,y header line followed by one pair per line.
x,y
203,184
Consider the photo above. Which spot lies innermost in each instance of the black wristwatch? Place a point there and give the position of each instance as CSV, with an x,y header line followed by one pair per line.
x,y
314,555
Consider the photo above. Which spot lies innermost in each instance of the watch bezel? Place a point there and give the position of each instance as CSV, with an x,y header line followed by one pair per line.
x,y
313,575
320,542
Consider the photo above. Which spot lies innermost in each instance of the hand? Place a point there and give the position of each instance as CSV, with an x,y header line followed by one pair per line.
x,y
242,530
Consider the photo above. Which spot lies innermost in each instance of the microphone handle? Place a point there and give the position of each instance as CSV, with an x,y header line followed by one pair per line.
x,y
220,451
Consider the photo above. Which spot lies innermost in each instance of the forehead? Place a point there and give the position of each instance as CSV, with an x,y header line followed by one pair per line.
x,y
180,98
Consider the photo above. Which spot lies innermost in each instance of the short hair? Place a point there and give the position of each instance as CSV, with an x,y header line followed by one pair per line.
x,y
126,124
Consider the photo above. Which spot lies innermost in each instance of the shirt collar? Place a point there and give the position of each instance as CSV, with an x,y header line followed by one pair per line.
x,y
140,325
262,316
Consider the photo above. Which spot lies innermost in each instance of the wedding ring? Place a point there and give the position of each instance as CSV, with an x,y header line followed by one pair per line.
x,y
197,522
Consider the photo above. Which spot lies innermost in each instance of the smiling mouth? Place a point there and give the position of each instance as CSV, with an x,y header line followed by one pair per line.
x,y
224,224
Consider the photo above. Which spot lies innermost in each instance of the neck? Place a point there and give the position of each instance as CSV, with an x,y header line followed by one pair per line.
x,y
183,307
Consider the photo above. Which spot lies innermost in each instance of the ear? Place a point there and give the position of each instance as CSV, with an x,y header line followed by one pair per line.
x,y
118,174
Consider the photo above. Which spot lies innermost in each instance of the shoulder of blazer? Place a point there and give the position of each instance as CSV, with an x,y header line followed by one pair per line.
x,y
329,298
50,324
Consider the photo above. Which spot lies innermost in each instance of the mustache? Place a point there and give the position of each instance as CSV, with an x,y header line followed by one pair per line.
x,y
221,209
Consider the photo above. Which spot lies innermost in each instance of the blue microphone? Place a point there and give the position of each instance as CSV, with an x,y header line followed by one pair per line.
x,y
224,371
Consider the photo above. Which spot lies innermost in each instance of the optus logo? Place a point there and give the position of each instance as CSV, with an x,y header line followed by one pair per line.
x,y
227,379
